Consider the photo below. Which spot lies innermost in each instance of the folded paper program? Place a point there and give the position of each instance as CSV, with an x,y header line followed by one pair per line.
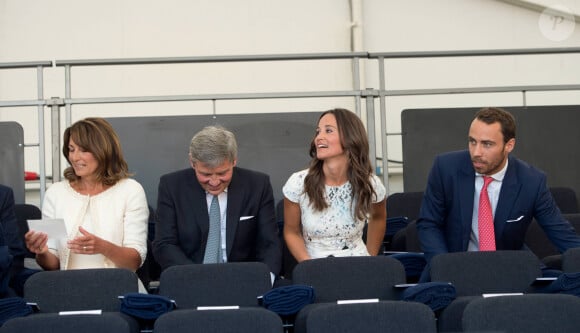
x,y
13,307
288,300
437,295
145,306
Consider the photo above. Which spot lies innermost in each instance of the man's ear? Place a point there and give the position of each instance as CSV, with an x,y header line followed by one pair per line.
x,y
510,145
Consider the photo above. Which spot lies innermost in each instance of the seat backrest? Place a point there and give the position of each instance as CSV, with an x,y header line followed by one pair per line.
x,y
342,278
399,241
150,270
407,204
566,199
53,322
288,260
540,244
526,313
280,216
574,219
476,273
234,283
242,320
406,239
80,289
25,212
412,243
384,316
571,260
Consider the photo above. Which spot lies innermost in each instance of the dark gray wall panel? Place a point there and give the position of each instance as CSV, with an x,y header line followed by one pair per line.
x,y
547,137
12,158
276,144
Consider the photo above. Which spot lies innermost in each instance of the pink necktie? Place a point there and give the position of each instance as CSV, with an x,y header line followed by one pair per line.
x,y
485,219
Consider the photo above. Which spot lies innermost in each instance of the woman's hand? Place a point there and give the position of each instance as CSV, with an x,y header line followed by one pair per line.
x,y
87,243
36,242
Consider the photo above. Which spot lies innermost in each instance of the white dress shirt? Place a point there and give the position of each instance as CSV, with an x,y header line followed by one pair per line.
x,y
493,190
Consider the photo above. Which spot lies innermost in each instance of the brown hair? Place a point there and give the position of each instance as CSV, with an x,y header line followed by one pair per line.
x,y
501,116
355,144
97,136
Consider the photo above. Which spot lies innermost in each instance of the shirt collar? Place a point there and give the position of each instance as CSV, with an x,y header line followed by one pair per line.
x,y
207,194
498,176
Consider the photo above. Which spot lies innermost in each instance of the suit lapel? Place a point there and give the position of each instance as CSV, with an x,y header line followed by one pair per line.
x,y
235,200
195,196
507,196
466,194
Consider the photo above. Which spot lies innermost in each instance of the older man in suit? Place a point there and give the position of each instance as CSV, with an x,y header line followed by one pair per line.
x,y
246,228
449,219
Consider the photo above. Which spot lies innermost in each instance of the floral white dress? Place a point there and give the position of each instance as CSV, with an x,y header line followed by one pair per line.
x,y
333,231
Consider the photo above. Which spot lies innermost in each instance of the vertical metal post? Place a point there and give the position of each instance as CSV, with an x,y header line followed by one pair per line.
x,y
356,84
382,102
55,104
67,95
41,146
370,108
213,104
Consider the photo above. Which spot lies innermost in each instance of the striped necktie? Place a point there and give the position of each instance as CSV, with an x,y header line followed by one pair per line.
x,y
213,246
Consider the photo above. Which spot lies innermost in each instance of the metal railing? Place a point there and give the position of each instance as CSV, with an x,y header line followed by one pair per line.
x,y
40,103
357,92
383,92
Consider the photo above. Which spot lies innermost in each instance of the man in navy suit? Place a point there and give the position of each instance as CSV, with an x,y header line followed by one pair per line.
x,y
13,251
248,230
448,220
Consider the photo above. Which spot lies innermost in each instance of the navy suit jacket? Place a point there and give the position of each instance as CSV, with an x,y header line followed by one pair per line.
x,y
182,220
444,223
9,225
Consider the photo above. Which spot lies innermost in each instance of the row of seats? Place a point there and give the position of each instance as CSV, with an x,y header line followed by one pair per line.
x,y
399,237
352,278
190,295
526,313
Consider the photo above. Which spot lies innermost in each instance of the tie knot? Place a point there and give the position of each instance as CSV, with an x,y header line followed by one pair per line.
x,y
486,181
